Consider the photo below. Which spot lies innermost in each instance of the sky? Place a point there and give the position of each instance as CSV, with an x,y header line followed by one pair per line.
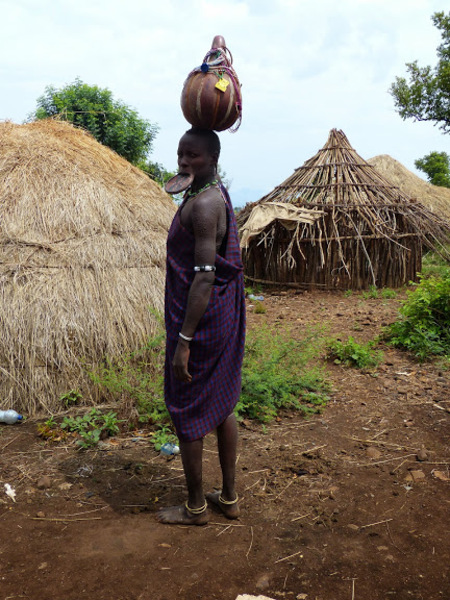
x,y
306,67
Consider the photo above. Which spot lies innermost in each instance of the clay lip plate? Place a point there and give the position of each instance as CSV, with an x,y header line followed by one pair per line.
x,y
178,183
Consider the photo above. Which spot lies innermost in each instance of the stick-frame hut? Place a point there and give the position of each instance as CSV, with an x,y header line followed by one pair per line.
x,y
370,233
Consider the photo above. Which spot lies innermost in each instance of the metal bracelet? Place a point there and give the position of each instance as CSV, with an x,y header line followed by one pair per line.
x,y
185,337
205,268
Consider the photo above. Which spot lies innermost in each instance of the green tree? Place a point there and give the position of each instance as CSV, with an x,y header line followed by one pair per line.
x,y
156,171
437,167
110,121
427,95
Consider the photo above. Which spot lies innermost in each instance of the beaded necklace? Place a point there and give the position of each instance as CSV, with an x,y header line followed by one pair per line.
x,y
190,193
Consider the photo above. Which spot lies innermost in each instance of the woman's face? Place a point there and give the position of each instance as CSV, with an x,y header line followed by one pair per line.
x,y
194,158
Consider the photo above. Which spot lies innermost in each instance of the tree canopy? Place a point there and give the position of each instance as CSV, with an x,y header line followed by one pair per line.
x,y
110,121
426,97
437,167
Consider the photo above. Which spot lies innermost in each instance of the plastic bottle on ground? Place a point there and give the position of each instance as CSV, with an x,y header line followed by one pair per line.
x,y
169,449
10,417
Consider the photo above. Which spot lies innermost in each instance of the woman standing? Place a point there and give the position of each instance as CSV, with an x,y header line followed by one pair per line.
x,y
205,326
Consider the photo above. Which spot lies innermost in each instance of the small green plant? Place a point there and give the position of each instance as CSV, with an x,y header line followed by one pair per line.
x,y
50,423
388,293
276,375
352,354
50,431
71,398
163,435
348,293
92,427
434,265
371,293
139,377
424,324
252,290
259,309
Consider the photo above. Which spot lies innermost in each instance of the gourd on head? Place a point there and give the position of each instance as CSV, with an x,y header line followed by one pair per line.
x,y
211,96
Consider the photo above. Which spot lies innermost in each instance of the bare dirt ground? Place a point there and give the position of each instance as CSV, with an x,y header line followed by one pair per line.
x,y
352,504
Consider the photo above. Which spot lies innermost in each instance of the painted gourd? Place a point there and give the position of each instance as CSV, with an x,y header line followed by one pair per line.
x,y
211,96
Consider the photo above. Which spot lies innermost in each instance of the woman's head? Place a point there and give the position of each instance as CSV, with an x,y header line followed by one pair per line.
x,y
198,153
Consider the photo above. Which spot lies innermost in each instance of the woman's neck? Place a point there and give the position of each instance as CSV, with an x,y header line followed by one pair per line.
x,y
200,183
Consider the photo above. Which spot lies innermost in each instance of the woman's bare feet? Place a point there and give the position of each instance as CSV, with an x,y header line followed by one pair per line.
x,y
181,515
230,509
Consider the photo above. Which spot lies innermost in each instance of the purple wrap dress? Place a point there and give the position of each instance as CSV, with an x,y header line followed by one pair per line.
x,y
217,350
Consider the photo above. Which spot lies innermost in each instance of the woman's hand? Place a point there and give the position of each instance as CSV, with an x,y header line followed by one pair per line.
x,y
180,362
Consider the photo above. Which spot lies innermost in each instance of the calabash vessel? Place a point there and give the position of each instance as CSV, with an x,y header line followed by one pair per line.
x,y
211,96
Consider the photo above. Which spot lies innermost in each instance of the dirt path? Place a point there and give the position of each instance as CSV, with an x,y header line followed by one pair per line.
x,y
334,508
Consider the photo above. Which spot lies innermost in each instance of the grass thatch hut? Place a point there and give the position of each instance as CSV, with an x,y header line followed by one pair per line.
x,y
82,259
434,197
369,232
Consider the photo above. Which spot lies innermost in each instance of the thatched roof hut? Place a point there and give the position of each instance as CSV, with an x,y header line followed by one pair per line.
x,y
369,232
434,197
82,253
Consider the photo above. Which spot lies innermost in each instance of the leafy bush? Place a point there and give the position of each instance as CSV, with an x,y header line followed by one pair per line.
x,y
424,326
352,354
260,309
371,293
276,375
435,265
138,376
71,398
388,294
163,434
92,426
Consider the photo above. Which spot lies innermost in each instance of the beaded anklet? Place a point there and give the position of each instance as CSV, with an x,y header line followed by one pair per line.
x,y
196,511
228,502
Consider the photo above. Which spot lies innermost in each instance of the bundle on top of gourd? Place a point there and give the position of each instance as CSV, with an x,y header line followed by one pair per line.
x,y
211,99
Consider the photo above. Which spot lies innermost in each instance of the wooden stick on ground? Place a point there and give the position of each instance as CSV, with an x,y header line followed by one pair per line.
x,y
251,543
62,520
288,557
377,523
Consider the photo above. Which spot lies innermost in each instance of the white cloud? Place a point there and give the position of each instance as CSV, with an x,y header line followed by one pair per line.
x,y
306,66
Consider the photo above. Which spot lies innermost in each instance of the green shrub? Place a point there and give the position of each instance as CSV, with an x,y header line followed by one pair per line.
x,y
352,354
371,293
424,326
138,376
276,375
71,398
259,309
388,293
92,426
433,265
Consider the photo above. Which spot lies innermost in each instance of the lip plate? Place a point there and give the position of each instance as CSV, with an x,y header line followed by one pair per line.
x,y
178,183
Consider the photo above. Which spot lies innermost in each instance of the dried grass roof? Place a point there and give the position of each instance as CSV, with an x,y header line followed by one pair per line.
x,y
434,197
82,258
339,180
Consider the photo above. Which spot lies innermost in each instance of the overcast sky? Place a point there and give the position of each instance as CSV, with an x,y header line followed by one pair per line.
x,y
306,66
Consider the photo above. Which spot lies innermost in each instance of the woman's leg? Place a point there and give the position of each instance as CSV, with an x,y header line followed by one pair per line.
x,y
227,499
195,513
